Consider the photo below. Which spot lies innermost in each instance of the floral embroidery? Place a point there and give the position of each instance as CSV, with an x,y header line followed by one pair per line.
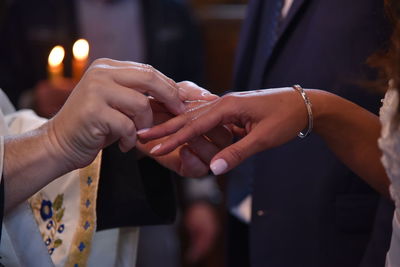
x,y
56,228
46,211
51,214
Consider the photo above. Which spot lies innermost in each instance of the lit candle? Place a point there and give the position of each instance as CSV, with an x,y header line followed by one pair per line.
x,y
55,66
81,52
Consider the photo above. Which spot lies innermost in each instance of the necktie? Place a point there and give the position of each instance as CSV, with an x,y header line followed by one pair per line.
x,y
268,33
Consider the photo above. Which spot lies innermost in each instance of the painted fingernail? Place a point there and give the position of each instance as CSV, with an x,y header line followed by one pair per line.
x,y
142,131
218,166
154,149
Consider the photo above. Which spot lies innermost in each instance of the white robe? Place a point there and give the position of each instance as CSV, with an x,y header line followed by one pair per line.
x,y
57,226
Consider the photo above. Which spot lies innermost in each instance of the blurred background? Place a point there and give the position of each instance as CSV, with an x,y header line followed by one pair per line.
x,y
220,22
187,40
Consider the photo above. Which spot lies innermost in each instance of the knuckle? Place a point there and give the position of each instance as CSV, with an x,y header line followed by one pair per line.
x,y
186,84
146,66
265,142
192,129
93,87
91,109
96,72
230,103
150,67
173,94
102,61
143,105
236,154
130,127
228,97
180,138
150,75
171,82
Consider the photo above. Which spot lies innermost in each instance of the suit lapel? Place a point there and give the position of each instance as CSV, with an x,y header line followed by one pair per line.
x,y
294,10
251,66
248,40
286,22
266,41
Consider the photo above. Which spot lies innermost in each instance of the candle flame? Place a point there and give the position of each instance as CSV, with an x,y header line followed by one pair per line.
x,y
56,56
81,49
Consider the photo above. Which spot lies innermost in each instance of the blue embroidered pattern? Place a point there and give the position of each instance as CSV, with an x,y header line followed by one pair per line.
x,y
81,246
87,203
52,213
87,225
89,180
46,210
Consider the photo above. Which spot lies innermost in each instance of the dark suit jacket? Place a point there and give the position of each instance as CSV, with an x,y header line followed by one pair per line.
x,y
131,192
308,208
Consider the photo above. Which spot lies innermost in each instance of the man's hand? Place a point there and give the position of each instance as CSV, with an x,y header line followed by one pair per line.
x,y
109,104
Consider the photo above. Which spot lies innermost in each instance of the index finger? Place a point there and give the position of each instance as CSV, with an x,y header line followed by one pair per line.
x,y
145,79
194,127
173,125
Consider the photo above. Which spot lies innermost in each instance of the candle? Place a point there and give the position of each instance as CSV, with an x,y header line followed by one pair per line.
x,y
80,51
55,68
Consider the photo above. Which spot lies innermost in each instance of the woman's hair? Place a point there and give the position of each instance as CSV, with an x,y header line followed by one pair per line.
x,y
392,57
388,61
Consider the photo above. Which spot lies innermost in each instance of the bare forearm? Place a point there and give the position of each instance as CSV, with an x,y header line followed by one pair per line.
x,y
351,132
29,165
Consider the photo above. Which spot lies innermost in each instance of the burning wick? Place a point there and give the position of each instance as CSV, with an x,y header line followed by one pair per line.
x,y
55,65
80,51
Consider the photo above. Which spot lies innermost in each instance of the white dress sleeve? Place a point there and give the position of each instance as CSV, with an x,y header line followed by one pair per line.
x,y
389,143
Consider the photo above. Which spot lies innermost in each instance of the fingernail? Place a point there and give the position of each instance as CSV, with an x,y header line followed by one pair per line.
x,y
218,166
142,131
154,149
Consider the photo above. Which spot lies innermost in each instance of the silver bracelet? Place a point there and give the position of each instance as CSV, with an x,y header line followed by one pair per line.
x,y
307,102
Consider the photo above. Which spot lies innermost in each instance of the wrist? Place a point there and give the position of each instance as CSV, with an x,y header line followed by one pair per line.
x,y
323,109
53,145
29,164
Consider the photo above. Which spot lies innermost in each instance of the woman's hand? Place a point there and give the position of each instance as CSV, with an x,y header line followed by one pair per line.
x,y
266,118
191,159
269,118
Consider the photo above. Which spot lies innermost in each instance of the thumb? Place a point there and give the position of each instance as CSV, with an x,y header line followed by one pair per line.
x,y
233,155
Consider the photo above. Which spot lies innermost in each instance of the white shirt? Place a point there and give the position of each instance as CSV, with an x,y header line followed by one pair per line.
x,y
286,7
